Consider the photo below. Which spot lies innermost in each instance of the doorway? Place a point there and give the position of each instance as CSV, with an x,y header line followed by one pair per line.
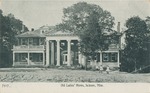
x,y
65,58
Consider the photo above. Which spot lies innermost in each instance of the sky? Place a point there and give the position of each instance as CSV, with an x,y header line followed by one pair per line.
x,y
36,13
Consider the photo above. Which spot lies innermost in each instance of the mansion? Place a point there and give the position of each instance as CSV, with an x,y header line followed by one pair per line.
x,y
45,47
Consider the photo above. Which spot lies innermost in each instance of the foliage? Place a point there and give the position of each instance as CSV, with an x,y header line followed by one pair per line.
x,y
90,22
9,27
92,38
133,56
148,22
75,17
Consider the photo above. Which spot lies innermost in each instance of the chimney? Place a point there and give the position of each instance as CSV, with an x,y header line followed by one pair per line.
x,y
118,27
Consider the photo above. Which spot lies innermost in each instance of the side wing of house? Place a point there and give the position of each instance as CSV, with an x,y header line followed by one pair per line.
x,y
29,50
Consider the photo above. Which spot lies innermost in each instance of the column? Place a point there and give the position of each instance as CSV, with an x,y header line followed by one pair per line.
x,y
47,53
118,59
13,58
28,59
58,53
84,60
79,55
101,58
43,58
80,58
52,53
69,53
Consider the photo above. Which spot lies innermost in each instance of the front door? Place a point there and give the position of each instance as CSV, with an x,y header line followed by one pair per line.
x,y
64,58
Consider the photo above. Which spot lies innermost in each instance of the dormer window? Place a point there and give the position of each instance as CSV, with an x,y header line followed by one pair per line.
x,y
42,31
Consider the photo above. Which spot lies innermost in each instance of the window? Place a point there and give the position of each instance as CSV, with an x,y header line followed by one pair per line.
x,y
110,57
36,57
20,57
40,57
41,40
31,58
35,41
17,57
23,57
106,57
113,57
24,41
30,41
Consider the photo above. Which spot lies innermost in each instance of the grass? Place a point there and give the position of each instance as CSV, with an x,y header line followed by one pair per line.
x,y
67,75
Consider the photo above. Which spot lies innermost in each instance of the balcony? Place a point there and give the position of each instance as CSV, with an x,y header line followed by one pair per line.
x,y
25,47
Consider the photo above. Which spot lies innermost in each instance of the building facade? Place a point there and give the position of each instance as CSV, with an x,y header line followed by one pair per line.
x,y
44,47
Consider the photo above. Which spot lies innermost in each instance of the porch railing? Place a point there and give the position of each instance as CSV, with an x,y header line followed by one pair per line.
x,y
36,63
28,47
21,63
30,64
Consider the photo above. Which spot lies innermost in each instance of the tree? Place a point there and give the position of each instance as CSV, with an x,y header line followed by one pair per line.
x,y
148,22
90,22
93,39
135,49
9,27
75,17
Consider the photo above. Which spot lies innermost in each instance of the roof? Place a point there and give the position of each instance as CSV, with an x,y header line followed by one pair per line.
x,y
53,31
36,33
59,33
108,33
45,31
31,34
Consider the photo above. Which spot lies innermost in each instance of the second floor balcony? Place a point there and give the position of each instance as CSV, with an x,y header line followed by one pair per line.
x,y
29,43
29,47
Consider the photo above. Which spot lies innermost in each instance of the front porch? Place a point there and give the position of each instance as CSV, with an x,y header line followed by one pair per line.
x,y
29,59
62,49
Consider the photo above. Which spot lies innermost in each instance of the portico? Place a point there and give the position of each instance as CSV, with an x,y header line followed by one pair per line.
x,y
62,49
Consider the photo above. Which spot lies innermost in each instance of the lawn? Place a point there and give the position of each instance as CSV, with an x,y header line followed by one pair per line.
x,y
67,75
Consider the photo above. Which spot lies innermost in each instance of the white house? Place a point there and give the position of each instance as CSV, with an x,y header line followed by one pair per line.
x,y
46,47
